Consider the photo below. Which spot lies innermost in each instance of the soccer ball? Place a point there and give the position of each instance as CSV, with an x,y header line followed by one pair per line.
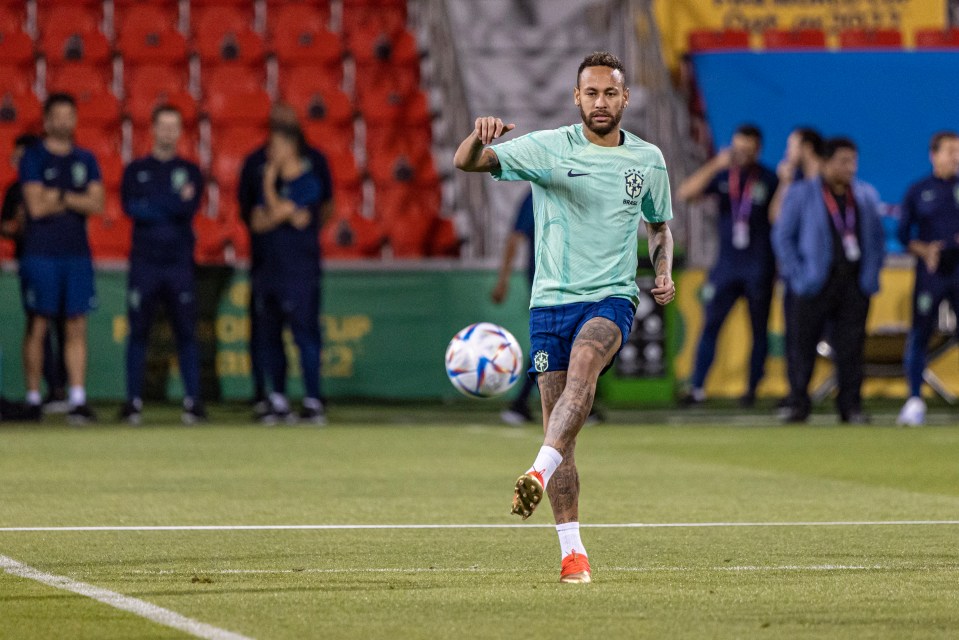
x,y
484,360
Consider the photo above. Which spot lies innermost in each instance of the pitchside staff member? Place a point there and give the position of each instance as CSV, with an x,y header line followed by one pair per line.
x,y
161,192
829,243
929,227
287,222
61,187
251,181
746,266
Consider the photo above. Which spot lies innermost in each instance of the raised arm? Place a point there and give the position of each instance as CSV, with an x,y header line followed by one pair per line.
x,y
661,255
472,154
695,185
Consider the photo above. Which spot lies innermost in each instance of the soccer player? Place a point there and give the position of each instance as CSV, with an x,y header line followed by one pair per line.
x,y
286,223
248,192
593,183
929,228
829,244
746,267
61,187
161,193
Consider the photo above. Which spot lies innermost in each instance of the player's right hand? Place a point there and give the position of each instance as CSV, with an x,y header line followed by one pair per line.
x,y
489,128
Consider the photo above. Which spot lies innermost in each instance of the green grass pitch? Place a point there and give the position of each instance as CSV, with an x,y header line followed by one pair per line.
x,y
402,465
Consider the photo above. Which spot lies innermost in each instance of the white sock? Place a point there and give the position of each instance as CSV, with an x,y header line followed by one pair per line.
x,y
546,462
34,399
569,539
78,396
699,394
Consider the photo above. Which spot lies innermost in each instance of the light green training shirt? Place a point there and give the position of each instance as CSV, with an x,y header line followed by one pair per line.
x,y
588,201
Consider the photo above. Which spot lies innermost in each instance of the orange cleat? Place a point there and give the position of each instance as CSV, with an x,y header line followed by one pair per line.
x,y
528,493
575,569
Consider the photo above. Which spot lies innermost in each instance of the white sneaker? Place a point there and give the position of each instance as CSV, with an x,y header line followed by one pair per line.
x,y
913,413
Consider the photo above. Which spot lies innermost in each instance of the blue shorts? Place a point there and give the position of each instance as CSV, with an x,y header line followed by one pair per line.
x,y
54,286
552,330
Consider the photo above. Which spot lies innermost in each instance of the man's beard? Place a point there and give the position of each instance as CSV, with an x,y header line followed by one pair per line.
x,y
602,129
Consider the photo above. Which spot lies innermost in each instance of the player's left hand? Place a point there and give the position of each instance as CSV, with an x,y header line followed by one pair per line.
x,y
664,290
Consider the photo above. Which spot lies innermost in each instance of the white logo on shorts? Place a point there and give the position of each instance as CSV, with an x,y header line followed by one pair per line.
x,y
541,361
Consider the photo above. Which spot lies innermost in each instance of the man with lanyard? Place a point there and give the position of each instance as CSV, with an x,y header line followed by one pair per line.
x,y
161,193
61,187
593,185
830,248
287,286
929,228
249,190
746,265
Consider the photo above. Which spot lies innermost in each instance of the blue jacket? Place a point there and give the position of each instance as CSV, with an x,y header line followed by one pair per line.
x,y
802,238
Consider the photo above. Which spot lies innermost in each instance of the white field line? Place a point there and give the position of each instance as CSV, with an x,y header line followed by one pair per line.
x,y
132,605
350,527
438,570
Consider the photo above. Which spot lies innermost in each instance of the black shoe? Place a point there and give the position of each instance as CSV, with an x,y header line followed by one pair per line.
x,y
193,412
131,412
690,400
81,414
748,400
794,416
21,412
313,415
855,417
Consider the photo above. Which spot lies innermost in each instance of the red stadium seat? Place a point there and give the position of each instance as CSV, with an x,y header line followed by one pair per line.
x,y
415,142
275,6
99,141
155,78
139,17
110,233
387,16
238,109
401,80
16,49
301,80
328,106
63,46
147,35
870,39
398,199
69,17
408,233
710,40
230,149
794,39
111,169
351,237
224,33
14,79
329,139
230,78
937,38
140,106
402,169
444,241
299,36
389,108
13,17
20,112
217,19
346,176
97,107
217,232
373,46
77,77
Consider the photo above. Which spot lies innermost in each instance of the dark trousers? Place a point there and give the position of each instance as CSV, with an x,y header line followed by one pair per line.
x,y
930,290
842,304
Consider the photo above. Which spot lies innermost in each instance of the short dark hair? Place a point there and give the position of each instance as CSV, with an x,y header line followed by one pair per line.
x,y
58,98
832,145
601,59
939,137
808,135
164,108
26,140
750,131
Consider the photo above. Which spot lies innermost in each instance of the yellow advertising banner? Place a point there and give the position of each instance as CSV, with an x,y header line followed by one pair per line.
x,y
676,18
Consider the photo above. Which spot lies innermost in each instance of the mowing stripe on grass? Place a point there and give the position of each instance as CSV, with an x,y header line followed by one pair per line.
x,y
514,525
119,601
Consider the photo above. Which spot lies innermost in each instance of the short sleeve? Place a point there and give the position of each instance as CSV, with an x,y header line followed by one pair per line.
x,y
530,157
31,166
93,168
657,204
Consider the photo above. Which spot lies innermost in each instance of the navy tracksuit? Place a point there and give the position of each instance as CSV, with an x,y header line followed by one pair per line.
x,y
161,262
249,194
744,268
286,287
930,213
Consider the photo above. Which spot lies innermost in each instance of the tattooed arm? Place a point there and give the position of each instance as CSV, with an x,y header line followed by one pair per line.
x,y
661,254
472,154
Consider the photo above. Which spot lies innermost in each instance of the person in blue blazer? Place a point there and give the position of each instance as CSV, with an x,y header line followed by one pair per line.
x,y
829,247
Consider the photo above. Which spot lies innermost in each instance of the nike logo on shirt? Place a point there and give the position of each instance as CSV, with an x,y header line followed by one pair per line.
x,y
575,175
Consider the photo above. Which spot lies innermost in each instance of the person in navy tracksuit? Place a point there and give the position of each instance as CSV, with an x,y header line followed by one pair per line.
x,y
929,228
248,191
745,267
830,248
161,193
286,222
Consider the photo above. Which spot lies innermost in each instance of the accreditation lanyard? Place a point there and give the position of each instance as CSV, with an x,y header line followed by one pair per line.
x,y
845,225
741,207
